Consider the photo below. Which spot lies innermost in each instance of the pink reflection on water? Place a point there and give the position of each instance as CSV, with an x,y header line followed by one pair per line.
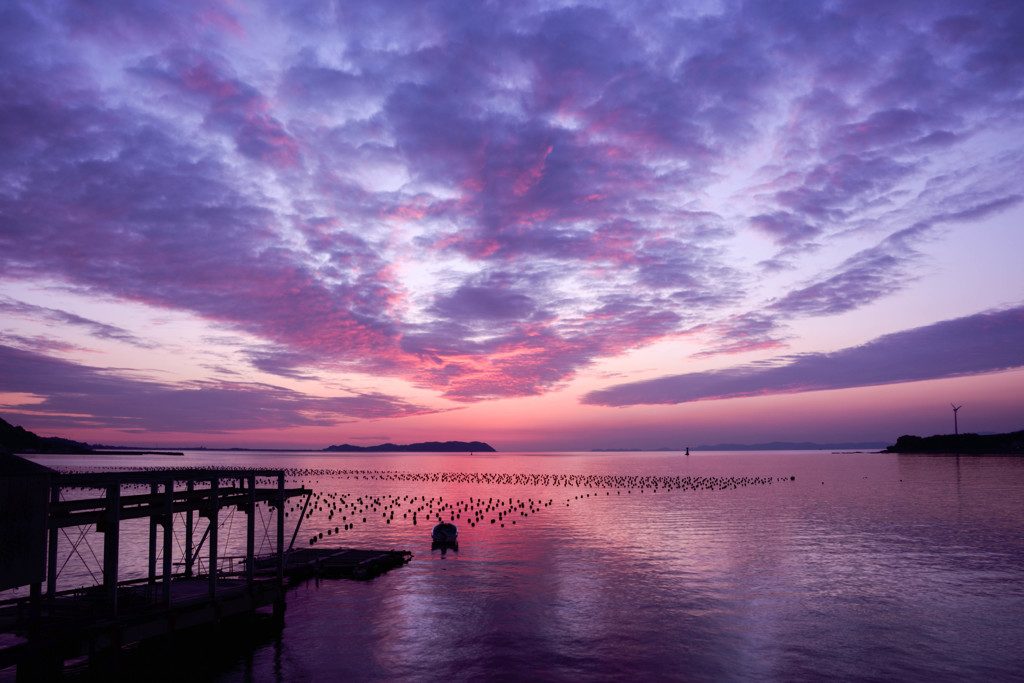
x,y
854,568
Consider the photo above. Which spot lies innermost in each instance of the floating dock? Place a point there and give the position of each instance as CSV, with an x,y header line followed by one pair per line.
x,y
348,563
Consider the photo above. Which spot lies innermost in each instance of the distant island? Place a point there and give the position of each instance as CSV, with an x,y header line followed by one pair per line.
x,y
19,440
773,446
663,449
424,447
1011,443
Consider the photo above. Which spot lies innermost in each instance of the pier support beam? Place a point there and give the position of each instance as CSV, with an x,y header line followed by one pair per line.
x,y
154,525
280,527
53,533
189,521
212,517
168,524
111,544
250,530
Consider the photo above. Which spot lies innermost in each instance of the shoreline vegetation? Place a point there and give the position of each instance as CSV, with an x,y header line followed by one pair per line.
x,y
19,440
1011,443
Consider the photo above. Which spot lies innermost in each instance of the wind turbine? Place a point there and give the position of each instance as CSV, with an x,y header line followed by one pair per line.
x,y
956,428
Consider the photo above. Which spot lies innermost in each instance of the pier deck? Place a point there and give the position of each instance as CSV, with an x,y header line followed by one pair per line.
x,y
75,625
78,624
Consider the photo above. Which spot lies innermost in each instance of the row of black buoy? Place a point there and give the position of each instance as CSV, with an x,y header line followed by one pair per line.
x,y
498,511
565,480
475,510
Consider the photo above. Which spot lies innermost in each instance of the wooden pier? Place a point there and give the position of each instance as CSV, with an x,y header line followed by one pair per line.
x,y
197,587
77,625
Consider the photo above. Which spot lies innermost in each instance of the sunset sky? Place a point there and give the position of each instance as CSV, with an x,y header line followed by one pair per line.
x,y
542,225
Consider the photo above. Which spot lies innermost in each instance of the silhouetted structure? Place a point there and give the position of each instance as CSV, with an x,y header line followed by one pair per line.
x,y
39,505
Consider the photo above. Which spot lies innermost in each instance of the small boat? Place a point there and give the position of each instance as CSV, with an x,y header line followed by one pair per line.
x,y
445,533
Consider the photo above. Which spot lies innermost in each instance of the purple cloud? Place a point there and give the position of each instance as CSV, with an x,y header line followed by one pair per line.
x,y
99,330
863,278
784,228
881,270
77,395
232,106
555,169
487,304
742,333
982,343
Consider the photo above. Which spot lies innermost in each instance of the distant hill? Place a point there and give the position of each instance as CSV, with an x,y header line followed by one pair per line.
x,y
977,444
773,446
20,440
795,446
425,447
663,449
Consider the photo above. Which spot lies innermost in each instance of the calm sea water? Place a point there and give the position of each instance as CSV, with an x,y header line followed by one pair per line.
x,y
845,566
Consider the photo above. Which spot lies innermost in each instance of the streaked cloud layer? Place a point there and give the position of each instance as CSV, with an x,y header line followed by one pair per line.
x,y
967,346
395,209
